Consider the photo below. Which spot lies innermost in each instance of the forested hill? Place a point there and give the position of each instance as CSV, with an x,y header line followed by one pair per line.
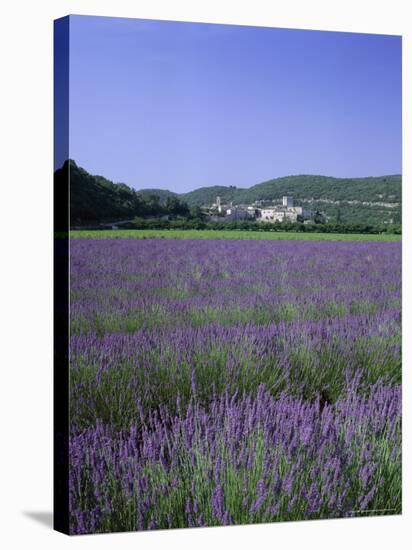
x,y
373,200
378,189
368,200
95,199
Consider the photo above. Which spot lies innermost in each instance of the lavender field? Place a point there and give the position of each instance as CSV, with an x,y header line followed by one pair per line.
x,y
219,382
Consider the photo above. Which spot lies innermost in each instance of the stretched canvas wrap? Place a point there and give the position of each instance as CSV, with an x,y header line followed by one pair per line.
x,y
227,274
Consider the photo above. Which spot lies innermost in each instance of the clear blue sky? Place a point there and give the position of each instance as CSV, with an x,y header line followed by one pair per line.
x,y
184,105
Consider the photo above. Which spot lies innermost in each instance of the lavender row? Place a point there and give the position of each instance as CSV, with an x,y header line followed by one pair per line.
x,y
233,382
243,460
126,285
111,374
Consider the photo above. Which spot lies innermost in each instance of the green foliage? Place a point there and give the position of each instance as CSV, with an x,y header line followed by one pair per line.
x,y
253,226
95,200
227,234
378,189
206,196
346,196
356,201
163,194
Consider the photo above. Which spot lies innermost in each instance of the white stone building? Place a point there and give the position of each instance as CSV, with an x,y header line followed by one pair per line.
x,y
240,213
286,212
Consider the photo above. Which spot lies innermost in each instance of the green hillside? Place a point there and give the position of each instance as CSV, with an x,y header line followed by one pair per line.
x,y
206,196
374,200
163,194
95,199
339,198
378,189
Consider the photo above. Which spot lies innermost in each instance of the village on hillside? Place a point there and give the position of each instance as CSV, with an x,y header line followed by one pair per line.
x,y
258,211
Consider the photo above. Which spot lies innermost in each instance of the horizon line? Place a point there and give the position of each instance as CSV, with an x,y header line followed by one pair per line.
x,y
231,186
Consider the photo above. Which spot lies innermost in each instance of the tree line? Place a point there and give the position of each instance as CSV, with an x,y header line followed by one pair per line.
x,y
250,225
95,200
